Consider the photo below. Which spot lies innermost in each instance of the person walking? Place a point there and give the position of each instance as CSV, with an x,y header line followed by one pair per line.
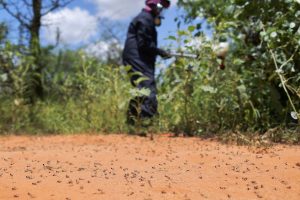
x,y
140,53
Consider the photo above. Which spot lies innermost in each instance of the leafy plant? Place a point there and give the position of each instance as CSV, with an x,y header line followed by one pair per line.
x,y
263,64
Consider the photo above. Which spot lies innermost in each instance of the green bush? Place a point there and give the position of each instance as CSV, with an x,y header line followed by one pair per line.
x,y
91,97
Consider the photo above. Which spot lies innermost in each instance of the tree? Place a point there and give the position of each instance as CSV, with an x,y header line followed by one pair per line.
x,y
3,35
266,39
3,32
29,14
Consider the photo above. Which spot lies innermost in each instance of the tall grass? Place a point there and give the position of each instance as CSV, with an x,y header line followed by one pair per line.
x,y
195,98
91,98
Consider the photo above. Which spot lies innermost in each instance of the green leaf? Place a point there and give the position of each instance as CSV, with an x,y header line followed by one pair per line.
x,y
191,28
273,34
4,77
141,79
238,61
230,9
292,25
172,38
182,33
207,88
127,68
135,92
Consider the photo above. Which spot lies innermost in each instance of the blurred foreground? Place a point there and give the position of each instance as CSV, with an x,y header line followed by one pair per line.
x,y
128,167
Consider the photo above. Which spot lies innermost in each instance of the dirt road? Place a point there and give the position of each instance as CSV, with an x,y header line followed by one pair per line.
x,y
119,167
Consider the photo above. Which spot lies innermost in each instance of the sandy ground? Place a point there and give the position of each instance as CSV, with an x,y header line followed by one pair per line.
x,y
127,167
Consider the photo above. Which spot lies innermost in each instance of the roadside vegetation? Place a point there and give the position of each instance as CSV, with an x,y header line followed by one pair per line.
x,y
255,98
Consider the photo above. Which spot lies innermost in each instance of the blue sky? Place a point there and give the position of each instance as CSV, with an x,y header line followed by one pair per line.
x,y
168,27
79,25
164,31
79,22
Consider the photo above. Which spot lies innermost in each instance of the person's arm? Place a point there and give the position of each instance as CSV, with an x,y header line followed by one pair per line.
x,y
145,39
164,54
146,42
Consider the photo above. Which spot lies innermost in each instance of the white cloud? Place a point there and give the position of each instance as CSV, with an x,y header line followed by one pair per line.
x,y
75,26
78,26
173,2
104,49
120,9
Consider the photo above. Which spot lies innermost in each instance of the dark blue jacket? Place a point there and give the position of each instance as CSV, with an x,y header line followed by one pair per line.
x,y
141,44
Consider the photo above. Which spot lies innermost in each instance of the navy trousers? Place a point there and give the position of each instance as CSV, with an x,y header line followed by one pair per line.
x,y
146,106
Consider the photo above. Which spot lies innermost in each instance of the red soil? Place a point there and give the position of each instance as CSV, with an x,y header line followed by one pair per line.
x,y
125,167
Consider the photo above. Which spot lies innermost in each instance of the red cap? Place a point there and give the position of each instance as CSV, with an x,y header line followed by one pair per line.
x,y
164,3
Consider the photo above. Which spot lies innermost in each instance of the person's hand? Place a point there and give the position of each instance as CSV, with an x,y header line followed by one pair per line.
x,y
164,54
